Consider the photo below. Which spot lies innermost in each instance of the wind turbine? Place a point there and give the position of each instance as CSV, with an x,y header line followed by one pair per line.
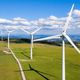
x,y
13,54
8,37
63,36
1,31
31,33
9,32
1,35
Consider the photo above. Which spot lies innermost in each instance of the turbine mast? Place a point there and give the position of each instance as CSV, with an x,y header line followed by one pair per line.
x,y
31,48
63,59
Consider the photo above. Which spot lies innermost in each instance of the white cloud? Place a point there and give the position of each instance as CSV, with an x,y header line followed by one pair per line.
x,y
55,26
52,18
51,22
76,12
62,18
5,20
19,20
78,26
35,22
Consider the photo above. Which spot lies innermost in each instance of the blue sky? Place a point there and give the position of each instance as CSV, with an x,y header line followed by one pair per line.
x,y
34,9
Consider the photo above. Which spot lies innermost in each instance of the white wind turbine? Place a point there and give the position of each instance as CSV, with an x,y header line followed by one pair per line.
x,y
1,35
63,35
31,33
1,31
9,32
13,54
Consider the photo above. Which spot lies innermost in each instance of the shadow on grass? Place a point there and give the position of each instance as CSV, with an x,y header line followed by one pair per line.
x,y
22,52
25,55
39,72
31,68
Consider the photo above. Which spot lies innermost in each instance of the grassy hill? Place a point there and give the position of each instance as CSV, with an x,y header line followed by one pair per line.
x,y
46,63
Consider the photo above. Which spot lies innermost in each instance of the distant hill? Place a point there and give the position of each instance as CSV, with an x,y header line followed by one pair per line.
x,y
24,36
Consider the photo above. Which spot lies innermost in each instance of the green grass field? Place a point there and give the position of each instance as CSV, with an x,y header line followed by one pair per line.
x,y
46,63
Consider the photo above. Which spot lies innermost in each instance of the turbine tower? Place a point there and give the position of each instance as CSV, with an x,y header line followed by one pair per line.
x,y
63,36
9,32
13,54
31,33
1,36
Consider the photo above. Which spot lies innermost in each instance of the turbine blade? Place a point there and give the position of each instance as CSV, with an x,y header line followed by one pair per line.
x,y
48,38
68,19
71,42
25,31
36,30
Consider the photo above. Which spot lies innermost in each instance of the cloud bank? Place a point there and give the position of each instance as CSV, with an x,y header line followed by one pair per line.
x,y
51,22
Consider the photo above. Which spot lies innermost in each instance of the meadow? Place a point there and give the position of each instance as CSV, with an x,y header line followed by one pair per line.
x,y
46,63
